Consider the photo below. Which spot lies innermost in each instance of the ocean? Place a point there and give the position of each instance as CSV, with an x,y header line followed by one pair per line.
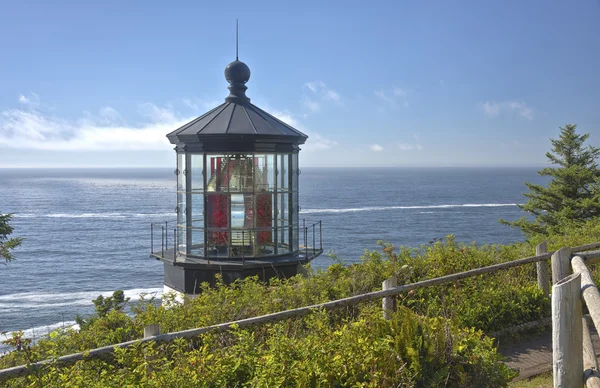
x,y
87,231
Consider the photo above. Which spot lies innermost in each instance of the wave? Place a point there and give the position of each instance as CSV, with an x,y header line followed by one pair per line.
x,y
380,208
38,333
305,211
94,215
35,300
42,331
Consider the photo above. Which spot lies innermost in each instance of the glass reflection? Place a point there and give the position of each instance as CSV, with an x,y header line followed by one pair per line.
x,y
239,219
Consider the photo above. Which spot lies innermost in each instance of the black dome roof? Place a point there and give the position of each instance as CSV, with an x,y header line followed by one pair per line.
x,y
231,119
236,121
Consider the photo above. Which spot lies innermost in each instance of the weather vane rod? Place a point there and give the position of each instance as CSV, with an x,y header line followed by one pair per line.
x,y
236,39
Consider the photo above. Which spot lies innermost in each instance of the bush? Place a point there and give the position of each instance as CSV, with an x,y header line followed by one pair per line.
x,y
305,349
407,351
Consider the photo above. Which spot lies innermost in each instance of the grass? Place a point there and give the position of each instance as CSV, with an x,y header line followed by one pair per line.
x,y
540,381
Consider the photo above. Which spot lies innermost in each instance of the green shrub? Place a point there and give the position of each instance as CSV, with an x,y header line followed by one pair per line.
x,y
487,303
407,351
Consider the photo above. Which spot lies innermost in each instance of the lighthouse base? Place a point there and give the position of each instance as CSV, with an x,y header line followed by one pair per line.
x,y
190,279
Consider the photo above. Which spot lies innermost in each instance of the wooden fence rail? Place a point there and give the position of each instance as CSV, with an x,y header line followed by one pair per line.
x,y
301,311
591,375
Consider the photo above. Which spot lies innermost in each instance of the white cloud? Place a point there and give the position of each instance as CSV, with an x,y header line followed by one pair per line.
x,y
286,117
376,148
110,114
314,142
330,95
30,101
35,128
410,147
157,114
199,105
392,98
416,146
311,105
313,85
318,142
319,94
492,108
398,92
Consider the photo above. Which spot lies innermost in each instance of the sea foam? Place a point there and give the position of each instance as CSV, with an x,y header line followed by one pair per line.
x,y
44,300
382,208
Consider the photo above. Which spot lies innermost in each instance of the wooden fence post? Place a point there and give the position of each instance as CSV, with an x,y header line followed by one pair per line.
x,y
151,330
543,277
388,302
567,336
561,264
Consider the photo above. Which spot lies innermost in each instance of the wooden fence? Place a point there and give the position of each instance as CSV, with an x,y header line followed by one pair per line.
x,y
574,358
386,295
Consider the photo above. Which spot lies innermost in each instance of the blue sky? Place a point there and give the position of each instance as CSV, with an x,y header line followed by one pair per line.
x,y
398,83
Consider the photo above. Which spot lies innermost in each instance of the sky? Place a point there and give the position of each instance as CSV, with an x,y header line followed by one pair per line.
x,y
380,83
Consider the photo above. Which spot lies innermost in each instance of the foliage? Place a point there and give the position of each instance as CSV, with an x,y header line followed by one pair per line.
x,y
104,306
371,352
7,244
573,194
314,351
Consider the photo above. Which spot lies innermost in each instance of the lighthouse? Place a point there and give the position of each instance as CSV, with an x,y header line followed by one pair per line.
x,y
237,207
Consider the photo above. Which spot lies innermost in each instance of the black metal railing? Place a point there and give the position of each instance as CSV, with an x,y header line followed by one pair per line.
x,y
165,241
316,230
161,241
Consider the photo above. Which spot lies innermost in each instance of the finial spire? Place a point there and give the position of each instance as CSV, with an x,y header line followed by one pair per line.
x,y
237,74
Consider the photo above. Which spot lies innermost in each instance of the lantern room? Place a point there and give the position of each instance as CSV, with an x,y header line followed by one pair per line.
x,y
237,197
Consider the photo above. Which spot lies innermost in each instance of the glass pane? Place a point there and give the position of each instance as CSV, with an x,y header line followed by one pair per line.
x,y
295,244
181,237
217,172
294,171
242,211
218,243
217,211
240,173
197,205
242,243
197,167
284,239
180,172
264,242
283,176
283,208
264,172
181,208
296,213
264,210
197,245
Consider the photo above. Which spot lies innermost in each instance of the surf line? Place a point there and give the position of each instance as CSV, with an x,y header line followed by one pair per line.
x,y
415,207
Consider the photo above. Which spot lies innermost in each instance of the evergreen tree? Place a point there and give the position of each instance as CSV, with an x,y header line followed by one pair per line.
x,y
6,244
573,194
